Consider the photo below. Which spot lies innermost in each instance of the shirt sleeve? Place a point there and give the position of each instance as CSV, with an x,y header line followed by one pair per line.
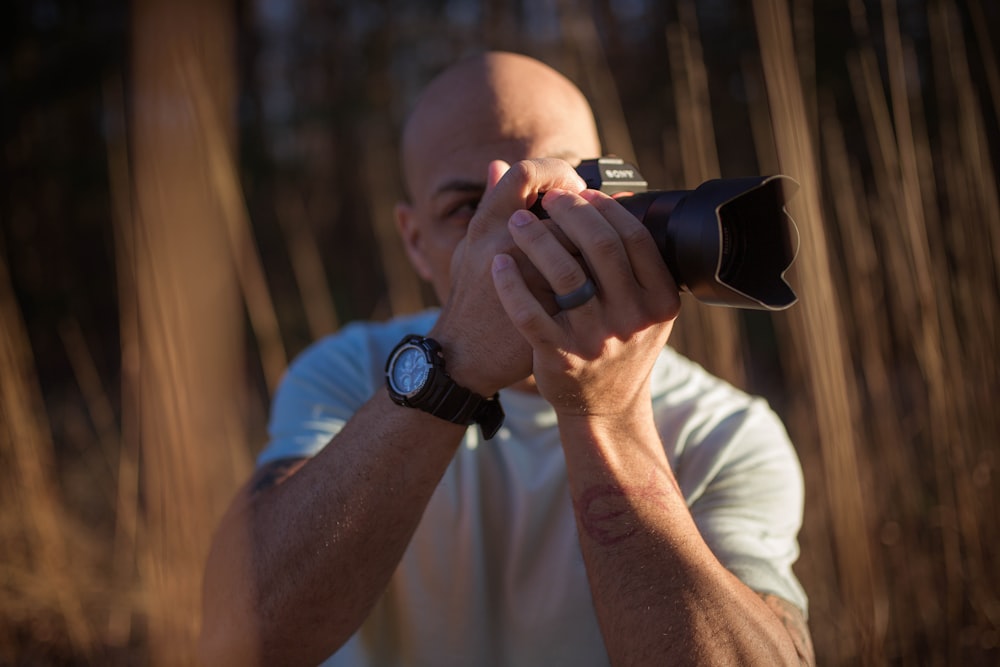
x,y
330,381
749,498
319,393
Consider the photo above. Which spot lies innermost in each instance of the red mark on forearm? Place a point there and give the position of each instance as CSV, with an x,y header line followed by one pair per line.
x,y
606,515
609,513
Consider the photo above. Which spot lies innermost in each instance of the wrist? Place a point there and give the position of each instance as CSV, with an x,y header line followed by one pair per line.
x,y
594,425
417,377
464,363
612,447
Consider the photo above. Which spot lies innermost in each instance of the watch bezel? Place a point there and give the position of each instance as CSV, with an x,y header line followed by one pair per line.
x,y
417,394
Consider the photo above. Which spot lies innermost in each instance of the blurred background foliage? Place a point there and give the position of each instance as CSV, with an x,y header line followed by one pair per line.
x,y
191,192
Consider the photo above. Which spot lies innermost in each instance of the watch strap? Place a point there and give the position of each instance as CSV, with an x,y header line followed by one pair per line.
x,y
460,405
449,400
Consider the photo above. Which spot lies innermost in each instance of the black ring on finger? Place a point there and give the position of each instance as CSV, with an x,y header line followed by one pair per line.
x,y
577,297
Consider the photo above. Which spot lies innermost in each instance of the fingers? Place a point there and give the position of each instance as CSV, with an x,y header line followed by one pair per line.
x,y
523,309
617,252
589,236
600,243
495,171
632,261
560,268
517,187
644,258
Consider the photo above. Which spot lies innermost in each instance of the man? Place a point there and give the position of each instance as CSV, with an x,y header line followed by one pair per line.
x,y
631,509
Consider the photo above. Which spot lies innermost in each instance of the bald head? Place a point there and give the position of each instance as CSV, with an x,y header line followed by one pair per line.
x,y
497,99
495,106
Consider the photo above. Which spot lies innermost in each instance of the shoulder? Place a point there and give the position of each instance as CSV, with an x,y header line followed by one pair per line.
x,y
695,409
738,471
329,381
681,380
359,347
717,435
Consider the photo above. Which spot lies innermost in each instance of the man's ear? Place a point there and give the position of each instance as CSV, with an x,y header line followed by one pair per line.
x,y
410,232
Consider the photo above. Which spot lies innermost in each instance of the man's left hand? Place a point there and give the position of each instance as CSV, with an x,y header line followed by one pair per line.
x,y
593,359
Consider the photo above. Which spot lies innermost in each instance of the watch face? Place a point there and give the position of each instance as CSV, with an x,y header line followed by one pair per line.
x,y
409,370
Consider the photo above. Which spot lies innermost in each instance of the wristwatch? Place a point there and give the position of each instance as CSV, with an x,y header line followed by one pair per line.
x,y
416,378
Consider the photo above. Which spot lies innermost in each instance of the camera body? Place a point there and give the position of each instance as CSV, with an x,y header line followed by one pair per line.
x,y
728,242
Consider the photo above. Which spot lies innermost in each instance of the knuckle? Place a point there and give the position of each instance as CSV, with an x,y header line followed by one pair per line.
x,y
558,203
526,319
613,211
606,243
531,233
606,205
565,276
523,172
666,309
636,235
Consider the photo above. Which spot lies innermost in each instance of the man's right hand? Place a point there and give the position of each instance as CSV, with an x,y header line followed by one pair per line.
x,y
484,350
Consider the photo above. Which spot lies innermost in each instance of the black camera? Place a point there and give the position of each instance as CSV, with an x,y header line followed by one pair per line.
x,y
728,242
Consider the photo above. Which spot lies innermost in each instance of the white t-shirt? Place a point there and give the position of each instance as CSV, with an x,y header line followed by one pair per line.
x,y
494,573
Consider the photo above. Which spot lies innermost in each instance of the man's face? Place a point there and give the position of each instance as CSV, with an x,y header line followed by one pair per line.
x,y
451,147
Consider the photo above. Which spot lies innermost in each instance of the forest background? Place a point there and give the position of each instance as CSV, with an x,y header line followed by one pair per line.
x,y
191,192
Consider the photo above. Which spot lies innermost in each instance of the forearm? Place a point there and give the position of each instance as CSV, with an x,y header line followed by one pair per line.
x,y
661,596
296,568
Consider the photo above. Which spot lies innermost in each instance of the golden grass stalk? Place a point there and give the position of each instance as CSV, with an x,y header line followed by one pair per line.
x,y
124,551
190,378
817,326
584,44
43,586
307,264
212,120
910,200
926,297
986,53
970,328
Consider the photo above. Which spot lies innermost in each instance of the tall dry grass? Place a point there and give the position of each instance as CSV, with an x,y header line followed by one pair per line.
x,y
817,329
37,550
188,266
887,364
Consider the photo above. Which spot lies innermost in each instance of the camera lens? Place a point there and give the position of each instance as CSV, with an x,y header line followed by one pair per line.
x,y
734,249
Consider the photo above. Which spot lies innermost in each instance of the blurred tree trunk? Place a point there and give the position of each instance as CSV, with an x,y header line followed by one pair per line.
x,y
190,381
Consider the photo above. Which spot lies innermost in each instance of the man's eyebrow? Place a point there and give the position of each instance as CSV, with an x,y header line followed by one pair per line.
x,y
459,185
